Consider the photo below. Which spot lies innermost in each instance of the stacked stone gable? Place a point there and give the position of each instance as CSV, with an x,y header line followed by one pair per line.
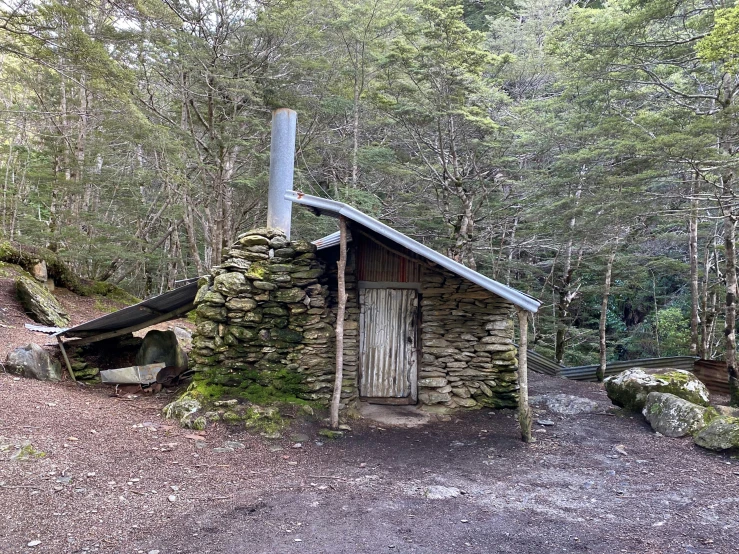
x,y
263,318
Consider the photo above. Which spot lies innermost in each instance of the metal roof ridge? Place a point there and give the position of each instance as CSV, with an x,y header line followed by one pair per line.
x,y
333,207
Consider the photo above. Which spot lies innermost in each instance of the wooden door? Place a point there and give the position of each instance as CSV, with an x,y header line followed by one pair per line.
x,y
388,357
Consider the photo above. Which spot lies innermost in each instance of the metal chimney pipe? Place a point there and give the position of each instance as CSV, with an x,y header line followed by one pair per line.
x,y
281,164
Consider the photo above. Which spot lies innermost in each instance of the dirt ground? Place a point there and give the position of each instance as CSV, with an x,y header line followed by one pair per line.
x,y
115,477
108,474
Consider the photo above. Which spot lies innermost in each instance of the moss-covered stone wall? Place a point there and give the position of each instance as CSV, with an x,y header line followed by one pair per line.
x,y
264,328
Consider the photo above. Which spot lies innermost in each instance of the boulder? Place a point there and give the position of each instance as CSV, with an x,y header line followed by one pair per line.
x,y
721,434
40,271
34,362
675,417
629,389
182,410
43,307
566,404
440,492
162,347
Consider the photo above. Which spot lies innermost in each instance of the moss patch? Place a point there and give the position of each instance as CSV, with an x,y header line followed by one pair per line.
x,y
264,387
28,452
331,434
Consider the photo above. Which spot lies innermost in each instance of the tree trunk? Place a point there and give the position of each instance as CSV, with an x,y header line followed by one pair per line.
x,y
600,374
336,399
192,242
694,291
730,328
355,133
524,411
565,291
704,322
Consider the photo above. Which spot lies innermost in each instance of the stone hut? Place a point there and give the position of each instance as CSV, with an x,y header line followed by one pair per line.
x,y
419,327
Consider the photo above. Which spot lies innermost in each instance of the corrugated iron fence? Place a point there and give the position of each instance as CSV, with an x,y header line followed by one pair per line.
x,y
587,372
711,372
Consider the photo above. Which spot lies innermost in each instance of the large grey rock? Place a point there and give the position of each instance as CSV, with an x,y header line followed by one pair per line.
x,y
675,417
40,271
721,434
566,404
163,347
34,362
629,389
43,307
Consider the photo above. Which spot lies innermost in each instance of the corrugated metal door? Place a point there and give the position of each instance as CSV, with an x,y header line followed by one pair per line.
x,y
387,343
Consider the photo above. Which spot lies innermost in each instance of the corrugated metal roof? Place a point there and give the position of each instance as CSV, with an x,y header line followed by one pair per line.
x,y
331,240
156,308
334,209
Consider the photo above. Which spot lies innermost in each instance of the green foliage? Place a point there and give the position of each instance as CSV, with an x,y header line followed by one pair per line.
x,y
674,332
722,43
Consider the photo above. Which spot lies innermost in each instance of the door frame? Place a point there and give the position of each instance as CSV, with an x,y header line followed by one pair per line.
x,y
413,397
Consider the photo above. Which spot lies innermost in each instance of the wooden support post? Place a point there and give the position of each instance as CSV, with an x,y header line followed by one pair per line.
x,y
524,411
66,360
336,400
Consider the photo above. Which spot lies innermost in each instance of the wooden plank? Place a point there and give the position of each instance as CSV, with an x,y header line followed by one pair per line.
x,y
341,310
524,410
66,359
387,285
407,401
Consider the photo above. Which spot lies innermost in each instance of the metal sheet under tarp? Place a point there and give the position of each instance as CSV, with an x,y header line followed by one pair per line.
x,y
164,307
134,375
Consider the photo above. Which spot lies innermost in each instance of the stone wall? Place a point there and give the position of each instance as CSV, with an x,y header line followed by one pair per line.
x,y
469,358
266,316
264,328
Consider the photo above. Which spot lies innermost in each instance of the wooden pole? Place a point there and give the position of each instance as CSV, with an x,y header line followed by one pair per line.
x,y
340,324
66,360
524,411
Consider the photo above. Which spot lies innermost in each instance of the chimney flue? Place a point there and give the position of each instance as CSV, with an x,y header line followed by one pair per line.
x,y
281,167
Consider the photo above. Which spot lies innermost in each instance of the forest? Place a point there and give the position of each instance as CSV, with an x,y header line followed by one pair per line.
x,y
583,152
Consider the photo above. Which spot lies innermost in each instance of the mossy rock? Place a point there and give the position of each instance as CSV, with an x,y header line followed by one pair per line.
x,y
673,416
199,423
182,409
27,256
331,434
722,433
110,291
629,389
27,452
43,307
